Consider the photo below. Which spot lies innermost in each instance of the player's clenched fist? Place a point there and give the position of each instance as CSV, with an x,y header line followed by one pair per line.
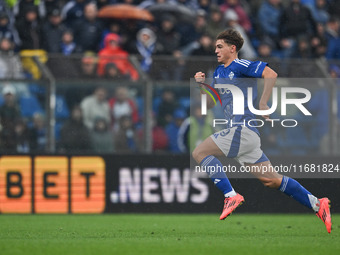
x,y
200,77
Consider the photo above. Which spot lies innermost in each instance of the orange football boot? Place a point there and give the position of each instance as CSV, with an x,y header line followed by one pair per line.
x,y
324,213
230,204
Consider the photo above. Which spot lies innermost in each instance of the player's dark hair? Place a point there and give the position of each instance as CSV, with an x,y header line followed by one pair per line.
x,y
231,37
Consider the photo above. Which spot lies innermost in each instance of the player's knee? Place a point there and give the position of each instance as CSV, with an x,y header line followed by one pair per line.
x,y
195,155
198,154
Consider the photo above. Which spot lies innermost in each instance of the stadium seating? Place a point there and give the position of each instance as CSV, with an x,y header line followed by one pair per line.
x,y
29,105
61,110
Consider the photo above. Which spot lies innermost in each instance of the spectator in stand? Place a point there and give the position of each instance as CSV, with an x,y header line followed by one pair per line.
x,y
172,130
205,5
52,32
215,23
243,18
332,29
113,73
266,52
168,39
319,42
21,6
247,51
6,7
296,21
51,5
87,31
102,137
112,53
74,135
10,63
160,140
319,11
89,66
145,46
38,134
268,20
29,29
334,71
126,139
95,106
6,31
122,105
68,45
205,46
7,23
334,8
73,12
176,74
113,27
194,129
168,43
190,34
9,113
333,36
253,6
127,33
166,108
22,137
304,48
333,49
87,71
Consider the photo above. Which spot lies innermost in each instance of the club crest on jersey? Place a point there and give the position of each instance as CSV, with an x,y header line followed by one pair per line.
x,y
231,75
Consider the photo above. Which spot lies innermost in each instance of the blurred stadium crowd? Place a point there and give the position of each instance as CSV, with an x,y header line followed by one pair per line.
x,y
105,121
282,28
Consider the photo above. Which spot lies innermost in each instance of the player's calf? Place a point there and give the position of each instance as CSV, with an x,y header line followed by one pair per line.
x,y
266,174
273,183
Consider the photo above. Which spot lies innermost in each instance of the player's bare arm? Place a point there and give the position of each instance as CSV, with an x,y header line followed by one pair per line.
x,y
200,78
270,77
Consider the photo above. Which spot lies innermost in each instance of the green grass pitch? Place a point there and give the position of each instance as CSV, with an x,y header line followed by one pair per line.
x,y
174,234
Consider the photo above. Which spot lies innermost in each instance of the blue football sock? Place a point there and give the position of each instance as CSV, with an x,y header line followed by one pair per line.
x,y
295,190
214,168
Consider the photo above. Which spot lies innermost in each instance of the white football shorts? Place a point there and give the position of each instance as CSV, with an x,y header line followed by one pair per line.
x,y
241,144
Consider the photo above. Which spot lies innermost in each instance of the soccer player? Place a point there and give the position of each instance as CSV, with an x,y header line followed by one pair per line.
x,y
242,142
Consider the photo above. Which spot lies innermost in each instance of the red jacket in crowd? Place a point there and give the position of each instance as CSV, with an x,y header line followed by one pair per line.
x,y
112,53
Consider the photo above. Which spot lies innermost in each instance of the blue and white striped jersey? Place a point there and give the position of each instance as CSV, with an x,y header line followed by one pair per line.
x,y
241,73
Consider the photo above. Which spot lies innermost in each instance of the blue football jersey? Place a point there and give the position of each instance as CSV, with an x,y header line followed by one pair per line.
x,y
241,73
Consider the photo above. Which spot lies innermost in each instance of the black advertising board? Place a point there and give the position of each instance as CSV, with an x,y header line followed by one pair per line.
x,y
139,184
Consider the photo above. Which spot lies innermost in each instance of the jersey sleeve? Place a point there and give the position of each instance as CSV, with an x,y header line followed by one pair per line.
x,y
213,83
214,79
254,69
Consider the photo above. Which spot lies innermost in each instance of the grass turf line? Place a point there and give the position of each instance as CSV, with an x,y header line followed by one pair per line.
x,y
167,234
